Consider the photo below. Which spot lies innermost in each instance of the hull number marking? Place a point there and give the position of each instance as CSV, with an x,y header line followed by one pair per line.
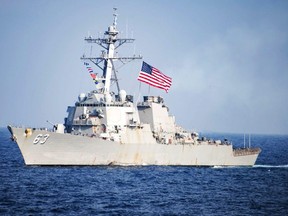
x,y
40,138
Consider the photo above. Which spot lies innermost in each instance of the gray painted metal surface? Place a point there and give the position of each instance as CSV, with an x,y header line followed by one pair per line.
x,y
67,149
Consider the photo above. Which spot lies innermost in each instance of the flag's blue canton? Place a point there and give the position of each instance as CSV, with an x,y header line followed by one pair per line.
x,y
146,68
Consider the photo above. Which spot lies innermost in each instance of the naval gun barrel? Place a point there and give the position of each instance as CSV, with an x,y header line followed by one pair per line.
x,y
54,125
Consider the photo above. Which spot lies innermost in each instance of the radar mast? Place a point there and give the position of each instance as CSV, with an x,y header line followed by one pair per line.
x,y
110,42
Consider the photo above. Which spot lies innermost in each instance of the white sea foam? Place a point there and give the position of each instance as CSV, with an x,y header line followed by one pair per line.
x,y
255,166
222,167
271,166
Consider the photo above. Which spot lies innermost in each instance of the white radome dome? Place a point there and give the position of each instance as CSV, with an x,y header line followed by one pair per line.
x,y
82,97
122,95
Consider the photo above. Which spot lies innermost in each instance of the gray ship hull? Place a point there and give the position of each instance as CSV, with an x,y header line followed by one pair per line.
x,y
51,148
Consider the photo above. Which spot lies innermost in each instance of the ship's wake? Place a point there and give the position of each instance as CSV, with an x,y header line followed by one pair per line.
x,y
255,166
271,166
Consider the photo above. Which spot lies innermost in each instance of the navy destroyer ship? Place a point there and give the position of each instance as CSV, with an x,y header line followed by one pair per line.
x,y
108,128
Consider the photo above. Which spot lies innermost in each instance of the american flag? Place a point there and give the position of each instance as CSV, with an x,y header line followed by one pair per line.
x,y
152,76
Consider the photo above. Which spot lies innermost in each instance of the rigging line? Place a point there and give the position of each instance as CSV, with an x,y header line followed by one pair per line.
x,y
124,63
91,48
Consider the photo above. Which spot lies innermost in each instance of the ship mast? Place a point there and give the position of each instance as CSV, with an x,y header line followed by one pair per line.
x,y
110,42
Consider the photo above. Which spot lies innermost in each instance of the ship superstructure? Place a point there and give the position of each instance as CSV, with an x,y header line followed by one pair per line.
x,y
104,127
102,112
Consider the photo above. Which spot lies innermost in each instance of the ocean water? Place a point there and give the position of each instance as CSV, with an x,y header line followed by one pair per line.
x,y
147,190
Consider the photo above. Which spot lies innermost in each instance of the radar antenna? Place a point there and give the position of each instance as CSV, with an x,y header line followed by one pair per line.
x,y
106,61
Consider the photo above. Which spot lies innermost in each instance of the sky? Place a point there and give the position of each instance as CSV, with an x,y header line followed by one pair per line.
x,y
228,59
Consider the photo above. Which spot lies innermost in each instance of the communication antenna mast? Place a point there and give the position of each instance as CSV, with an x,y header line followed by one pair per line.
x,y
106,61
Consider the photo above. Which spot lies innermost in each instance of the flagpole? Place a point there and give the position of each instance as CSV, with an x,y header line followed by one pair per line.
x,y
149,90
138,98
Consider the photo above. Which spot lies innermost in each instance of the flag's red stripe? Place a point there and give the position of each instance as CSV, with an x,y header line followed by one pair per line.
x,y
150,78
157,86
161,74
162,80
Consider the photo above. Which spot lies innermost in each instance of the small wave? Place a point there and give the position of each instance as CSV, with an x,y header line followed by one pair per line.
x,y
271,166
217,167
222,167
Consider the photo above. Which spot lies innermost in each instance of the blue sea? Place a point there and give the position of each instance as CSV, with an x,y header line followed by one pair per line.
x,y
147,190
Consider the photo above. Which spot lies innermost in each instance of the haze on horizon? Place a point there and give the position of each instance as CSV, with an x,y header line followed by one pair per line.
x,y
228,59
